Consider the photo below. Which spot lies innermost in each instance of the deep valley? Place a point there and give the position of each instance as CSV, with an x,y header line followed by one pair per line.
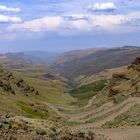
x,y
91,94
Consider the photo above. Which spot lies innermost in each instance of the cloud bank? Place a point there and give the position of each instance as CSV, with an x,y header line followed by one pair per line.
x,y
39,20
76,22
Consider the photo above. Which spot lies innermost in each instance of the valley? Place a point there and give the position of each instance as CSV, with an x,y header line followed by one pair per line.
x,y
91,94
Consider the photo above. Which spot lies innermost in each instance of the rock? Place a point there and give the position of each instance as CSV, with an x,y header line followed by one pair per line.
x,y
9,115
40,131
112,92
119,76
136,61
36,93
4,121
135,65
20,82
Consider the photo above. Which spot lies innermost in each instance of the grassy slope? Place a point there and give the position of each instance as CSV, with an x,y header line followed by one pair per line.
x,y
52,91
86,92
106,74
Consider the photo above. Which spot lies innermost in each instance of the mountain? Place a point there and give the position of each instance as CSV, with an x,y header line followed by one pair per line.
x,y
105,74
22,87
124,87
41,56
73,55
29,57
31,66
24,105
96,61
123,84
12,60
113,105
37,103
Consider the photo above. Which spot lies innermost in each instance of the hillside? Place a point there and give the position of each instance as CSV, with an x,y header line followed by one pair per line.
x,y
103,75
27,108
32,67
37,103
112,109
18,91
96,62
13,61
29,57
24,105
41,57
122,89
75,54
126,84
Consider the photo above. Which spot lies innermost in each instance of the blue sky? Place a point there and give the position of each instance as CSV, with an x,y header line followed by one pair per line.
x,y
62,25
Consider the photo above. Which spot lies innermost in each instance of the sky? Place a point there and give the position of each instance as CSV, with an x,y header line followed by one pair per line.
x,y
62,25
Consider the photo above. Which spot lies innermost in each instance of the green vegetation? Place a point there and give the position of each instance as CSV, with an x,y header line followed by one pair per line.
x,y
33,111
86,92
29,104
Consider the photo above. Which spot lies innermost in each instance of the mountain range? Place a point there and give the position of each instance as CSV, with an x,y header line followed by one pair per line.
x,y
88,94
94,62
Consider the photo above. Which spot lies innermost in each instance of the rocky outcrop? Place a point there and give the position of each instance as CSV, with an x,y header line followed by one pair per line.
x,y
25,87
5,85
8,82
115,81
127,83
119,76
135,65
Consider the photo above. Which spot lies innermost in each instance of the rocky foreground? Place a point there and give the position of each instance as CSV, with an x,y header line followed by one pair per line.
x,y
20,128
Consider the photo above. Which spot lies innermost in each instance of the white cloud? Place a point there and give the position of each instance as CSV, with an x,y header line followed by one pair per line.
x,y
12,19
38,25
76,23
79,22
9,9
108,6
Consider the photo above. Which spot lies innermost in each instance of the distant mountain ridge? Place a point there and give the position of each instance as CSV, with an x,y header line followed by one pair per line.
x,y
74,63
28,57
75,54
96,61
43,56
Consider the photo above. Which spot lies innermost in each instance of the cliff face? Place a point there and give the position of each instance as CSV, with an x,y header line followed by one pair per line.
x,y
123,85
